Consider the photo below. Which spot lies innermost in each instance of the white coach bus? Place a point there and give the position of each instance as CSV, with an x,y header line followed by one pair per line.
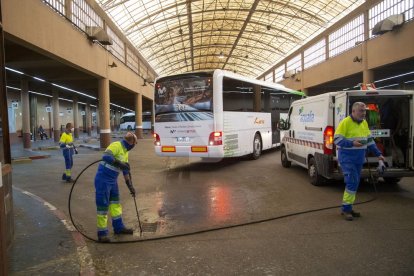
x,y
127,121
218,114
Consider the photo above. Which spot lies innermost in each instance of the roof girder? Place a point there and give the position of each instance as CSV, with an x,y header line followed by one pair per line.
x,y
158,12
212,20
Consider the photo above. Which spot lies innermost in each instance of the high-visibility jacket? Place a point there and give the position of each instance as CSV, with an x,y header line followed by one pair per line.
x,y
346,133
66,138
115,150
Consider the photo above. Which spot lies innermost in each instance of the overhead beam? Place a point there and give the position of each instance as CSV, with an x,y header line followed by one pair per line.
x,y
300,14
252,10
169,30
190,32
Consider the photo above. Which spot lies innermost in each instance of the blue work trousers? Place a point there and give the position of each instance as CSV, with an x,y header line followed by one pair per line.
x,y
352,176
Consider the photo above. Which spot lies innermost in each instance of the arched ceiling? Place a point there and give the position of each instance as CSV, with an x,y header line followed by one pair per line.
x,y
246,36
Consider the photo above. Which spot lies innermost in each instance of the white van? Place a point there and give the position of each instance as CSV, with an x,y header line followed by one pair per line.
x,y
308,133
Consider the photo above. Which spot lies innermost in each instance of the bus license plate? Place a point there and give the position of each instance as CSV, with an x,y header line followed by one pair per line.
x,y
183,139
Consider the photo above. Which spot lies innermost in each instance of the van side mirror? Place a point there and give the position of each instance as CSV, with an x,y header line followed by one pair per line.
x,y
283,124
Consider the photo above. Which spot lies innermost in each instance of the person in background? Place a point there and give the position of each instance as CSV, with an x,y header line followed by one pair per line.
x,y
114,160
353,138
42,133
68,148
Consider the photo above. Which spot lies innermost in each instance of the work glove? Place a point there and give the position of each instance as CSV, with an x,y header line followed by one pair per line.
x,y
76,151
381,167
122,165
130,187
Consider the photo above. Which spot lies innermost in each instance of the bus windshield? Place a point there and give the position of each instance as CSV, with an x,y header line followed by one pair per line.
x,y
188,98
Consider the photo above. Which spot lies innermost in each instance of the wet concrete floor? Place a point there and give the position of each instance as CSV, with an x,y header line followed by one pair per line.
x,y
181,195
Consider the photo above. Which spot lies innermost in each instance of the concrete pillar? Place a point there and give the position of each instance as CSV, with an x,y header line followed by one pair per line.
x,y
138,116
33,116
75,117
88,114
367,75
104,123
98,129
68,8
24,83
55,110
49,117
112,119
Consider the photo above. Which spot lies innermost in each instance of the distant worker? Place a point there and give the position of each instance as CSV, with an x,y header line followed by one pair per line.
x,y
42,133
68,148
353,138
114,160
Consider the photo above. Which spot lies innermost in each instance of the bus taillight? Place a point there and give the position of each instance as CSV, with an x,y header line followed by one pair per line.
x,y
328,138
157,140
216,138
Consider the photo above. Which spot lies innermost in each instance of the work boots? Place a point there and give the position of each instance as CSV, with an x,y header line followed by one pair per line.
x,y
351,215
104,239
125,231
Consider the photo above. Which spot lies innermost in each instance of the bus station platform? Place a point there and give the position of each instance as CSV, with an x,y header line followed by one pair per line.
x,y
180,196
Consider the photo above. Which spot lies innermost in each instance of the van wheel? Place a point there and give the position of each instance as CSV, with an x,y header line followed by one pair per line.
x,y
315,178
392,180
257,147
283,157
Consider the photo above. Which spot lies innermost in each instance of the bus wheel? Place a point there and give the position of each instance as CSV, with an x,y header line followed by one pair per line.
x,y
129,128
283,157
315,178
257,147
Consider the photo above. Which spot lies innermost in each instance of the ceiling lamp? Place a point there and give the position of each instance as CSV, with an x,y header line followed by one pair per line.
x,y
221,55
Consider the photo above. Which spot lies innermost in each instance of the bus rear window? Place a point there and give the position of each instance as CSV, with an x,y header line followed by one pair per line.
x,y
187,95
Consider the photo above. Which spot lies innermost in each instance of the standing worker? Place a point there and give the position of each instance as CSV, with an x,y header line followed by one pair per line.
x,y
114,160
353,138
66,144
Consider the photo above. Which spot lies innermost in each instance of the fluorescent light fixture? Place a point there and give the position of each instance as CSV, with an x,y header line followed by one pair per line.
x,y
63,99
68,89
393,77
409,81
11,87
13,70
39,79
120,107
385,86
41,94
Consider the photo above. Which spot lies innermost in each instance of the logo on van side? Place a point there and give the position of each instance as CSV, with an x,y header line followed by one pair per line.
x,y
339,109
339,112
306,117
259,121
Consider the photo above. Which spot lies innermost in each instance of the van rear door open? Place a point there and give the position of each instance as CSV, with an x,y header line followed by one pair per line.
x,y
389,117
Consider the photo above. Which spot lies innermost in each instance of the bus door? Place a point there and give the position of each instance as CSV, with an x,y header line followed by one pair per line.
x,y
275,115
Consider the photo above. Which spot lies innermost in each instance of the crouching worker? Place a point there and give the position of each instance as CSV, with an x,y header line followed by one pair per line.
x,y
68,148
114,160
